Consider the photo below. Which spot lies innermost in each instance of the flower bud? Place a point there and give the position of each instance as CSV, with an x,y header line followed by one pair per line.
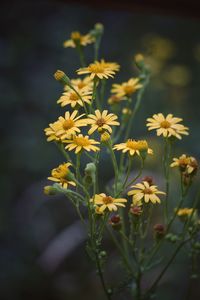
x,y
49,190
139,60
135,210
159,231
62,77
105,137
115,222
149,179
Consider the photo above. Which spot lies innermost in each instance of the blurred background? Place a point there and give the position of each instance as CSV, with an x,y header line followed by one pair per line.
x,y
41,253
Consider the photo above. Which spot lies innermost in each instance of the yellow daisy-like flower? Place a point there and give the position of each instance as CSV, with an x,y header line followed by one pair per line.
x,y
80,84
185,213
185,163
52,132
134,147
71,98
100,69
145,192
114,99
80,142
104,202
167,126
102,121
61,175
126,89
70,124
78,39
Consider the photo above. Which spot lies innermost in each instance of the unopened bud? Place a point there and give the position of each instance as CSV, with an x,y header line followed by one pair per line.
x,y
135,210
62,77
139,60
159,231
105,137
149,179
115,222
49,190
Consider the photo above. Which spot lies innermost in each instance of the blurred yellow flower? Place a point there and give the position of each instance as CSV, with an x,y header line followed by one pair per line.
x,y
61,175
104,202
185,163
126,88
80,84
78,39
167,126
52,131
101,121
114,99
134,147
145,192
185,213
72,98
100,69
80,142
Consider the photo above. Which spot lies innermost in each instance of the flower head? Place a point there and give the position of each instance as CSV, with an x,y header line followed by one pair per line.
x,y
167,126
185,213
78,39
72,98
104,202
79,84
134,147
61,175
145,192
102,121
126,89
186,164
114,99
65,127
100,69
80,142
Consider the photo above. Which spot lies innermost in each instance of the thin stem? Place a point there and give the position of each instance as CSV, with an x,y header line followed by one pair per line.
x,y
166,161
79,49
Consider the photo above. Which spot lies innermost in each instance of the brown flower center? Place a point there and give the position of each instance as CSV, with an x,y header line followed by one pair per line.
x,y
68,124
128,89
147,191
100,122
107,200
165,124
74,97
82,141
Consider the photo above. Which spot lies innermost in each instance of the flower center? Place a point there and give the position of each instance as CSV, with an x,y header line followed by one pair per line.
x,y
107,200
129,89
68,124
147,191
74,97
100,122
96,68
165,124
75,35
81,85
81,141
137,145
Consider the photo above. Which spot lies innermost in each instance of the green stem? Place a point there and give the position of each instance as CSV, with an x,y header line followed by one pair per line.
x,y
166,162
62,150
115,166
79,49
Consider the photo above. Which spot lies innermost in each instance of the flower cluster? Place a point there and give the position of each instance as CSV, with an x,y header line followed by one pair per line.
x,y
96,141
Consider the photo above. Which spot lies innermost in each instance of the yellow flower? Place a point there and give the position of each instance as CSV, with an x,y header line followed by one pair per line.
x,y
114,99
61,175
64,127
80,84
78,39
102,121
167,126
146,192
105,136
126,88
71,98
134,147
107,202
185,163
80,142
185,213
100,69
52,131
